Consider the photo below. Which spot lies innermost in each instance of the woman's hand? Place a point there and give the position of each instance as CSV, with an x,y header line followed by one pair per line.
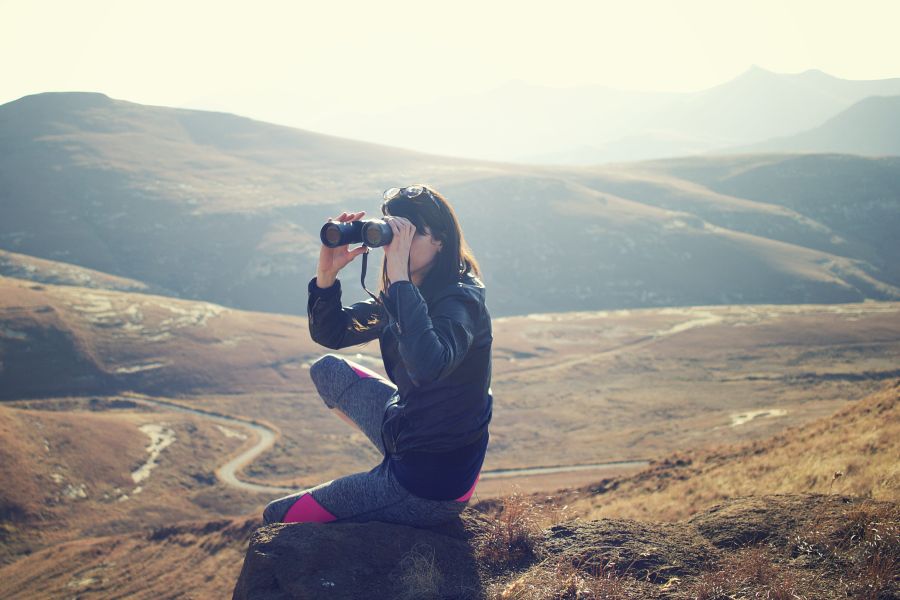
x,y
332,260
397,252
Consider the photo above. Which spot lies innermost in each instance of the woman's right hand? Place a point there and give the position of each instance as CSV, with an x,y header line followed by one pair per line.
x,y
332,260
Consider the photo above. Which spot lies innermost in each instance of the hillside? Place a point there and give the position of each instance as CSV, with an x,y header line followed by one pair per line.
x,y
837,542
847,194
854,451
89,471
22,266
871,127
197,559
103,341
216,207
767,546
662,378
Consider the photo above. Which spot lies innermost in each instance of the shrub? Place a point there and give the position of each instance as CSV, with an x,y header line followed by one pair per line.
x,y
513,537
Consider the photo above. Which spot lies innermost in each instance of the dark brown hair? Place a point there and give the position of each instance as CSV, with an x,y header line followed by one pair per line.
x,y
455,259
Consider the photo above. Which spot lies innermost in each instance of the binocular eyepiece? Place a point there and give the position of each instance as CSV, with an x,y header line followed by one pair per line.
x,y
371,232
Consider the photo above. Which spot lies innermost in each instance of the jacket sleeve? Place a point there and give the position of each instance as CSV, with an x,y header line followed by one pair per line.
x,y
431,346
335,326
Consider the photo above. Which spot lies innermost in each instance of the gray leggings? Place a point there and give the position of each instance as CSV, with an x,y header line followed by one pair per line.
x,y
373,495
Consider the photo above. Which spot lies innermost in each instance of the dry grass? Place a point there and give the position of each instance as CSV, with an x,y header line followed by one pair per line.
x,y
850,554
419,578
65,474
749,572
189,560
863,544
514,535
853,451
562,579
517,523
513,541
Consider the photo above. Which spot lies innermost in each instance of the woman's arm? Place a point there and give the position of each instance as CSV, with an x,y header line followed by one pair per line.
x,y
432,346
336,326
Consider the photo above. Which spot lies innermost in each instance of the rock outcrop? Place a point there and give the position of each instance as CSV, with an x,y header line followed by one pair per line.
x,y
362,560
380,560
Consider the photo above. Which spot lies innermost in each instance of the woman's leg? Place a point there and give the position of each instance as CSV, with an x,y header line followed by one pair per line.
x,y
371,496
376,495
355,391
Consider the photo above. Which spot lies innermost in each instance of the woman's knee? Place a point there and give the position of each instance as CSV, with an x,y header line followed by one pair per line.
x,y
329,375
275,511
325,367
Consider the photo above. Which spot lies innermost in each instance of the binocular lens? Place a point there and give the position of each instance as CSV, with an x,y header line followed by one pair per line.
x,y
377,233
334,233
371,232
331,235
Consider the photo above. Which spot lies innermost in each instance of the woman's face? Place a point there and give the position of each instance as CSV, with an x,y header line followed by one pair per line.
x,y
422,253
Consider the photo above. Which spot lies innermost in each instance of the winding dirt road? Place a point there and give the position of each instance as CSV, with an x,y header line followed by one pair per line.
x,y
266,438
226,473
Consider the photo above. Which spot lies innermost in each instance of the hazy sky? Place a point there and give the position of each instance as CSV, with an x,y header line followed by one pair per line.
x,y
291,62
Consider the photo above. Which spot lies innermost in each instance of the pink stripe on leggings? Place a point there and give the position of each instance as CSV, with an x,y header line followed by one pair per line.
x,y
307,510
362,371
471,491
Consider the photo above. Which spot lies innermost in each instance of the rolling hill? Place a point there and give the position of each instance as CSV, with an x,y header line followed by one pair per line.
x,y
852,451
871,127
215,207
102,341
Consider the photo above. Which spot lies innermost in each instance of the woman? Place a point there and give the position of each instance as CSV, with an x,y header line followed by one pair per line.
x,y
430,420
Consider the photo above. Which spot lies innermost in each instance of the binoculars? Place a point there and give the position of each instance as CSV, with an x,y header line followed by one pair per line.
x,y
371,232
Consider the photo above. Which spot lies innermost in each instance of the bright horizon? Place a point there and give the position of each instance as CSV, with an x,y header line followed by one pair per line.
x,y
294,63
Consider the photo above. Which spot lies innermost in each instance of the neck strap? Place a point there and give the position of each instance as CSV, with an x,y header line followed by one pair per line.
x,y
362,277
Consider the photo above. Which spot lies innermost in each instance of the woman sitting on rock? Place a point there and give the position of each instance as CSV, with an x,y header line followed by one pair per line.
x,y
430,420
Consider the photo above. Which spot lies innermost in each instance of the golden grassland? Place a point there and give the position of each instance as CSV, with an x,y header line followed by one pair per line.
x,y
851,552
190,560
861,543
652,380
67,474
726,401
854,553
855,451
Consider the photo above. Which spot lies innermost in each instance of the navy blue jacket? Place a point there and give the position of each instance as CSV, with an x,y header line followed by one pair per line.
x,y
437,353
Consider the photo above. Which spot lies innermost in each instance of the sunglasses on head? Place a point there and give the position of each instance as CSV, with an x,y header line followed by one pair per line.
x,y
413,191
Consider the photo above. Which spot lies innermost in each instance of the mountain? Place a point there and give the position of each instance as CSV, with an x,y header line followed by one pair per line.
x,y
215,207
845,193
582,125
760,104
870,127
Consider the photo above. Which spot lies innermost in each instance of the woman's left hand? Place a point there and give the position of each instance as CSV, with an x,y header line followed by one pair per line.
x,y
397,252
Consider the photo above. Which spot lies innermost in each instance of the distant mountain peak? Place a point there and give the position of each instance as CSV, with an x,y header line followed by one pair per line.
x,y
757,70
816,74
63,100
